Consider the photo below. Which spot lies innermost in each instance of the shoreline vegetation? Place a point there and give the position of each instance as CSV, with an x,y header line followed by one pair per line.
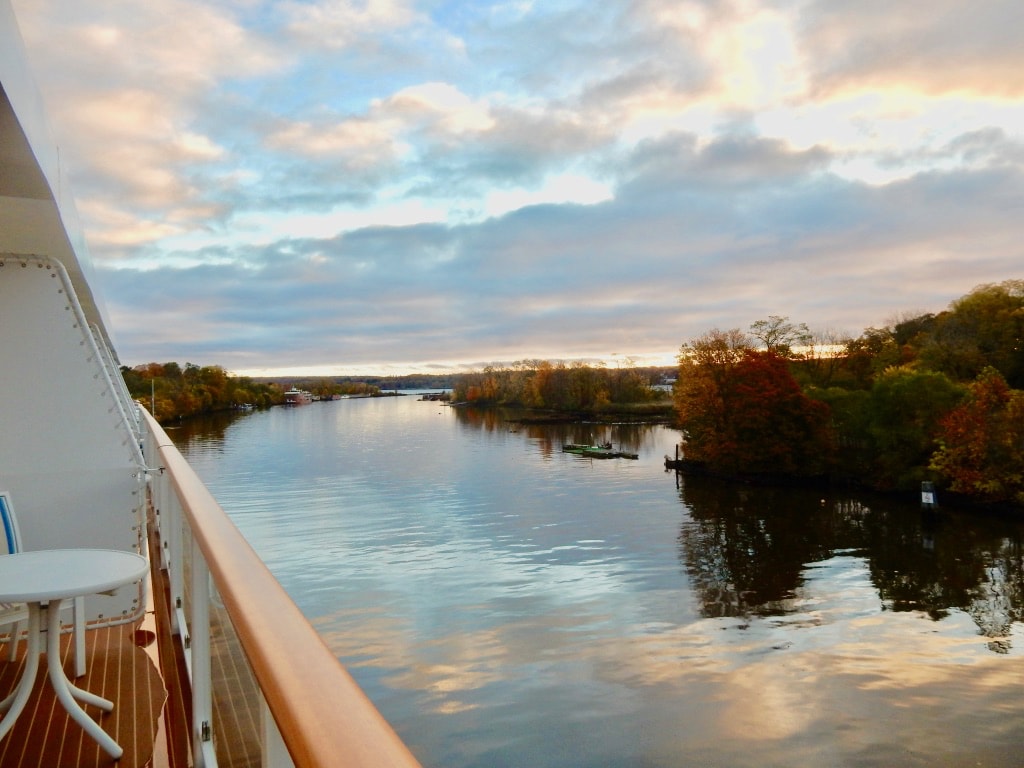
x,y
554,392
173,393
933,398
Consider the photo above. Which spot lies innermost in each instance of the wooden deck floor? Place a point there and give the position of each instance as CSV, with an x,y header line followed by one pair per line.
x,y
140,667
118,669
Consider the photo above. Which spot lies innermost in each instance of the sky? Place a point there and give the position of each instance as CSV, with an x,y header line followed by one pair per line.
x,y
395,186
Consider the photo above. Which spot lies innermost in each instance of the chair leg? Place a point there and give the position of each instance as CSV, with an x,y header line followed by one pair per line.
x,y
78,634
12,653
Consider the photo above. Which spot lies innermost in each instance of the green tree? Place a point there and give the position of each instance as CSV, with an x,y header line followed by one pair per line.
x,y
983,328
855,455
904,411
910,329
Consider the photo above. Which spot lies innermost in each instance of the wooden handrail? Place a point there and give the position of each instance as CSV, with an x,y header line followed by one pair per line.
x,y
324,717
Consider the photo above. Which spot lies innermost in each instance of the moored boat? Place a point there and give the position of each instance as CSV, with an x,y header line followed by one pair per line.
x,y
581,447
295,396
602,451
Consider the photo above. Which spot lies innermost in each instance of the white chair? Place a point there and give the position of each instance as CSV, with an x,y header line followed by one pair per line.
x,y
13,614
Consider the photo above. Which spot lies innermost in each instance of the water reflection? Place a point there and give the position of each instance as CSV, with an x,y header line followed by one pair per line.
x,y
746,550
507,604
550,437
209,431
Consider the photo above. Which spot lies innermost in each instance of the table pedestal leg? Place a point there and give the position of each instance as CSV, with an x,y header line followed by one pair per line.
x,y
14,703
67,693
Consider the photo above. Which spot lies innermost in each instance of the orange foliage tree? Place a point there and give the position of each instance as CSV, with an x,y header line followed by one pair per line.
x,y
743,412
981,443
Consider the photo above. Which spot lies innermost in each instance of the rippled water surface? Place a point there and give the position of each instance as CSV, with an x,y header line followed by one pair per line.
x,y
507,604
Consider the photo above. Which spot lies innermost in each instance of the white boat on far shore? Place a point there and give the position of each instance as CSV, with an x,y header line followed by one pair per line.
x,y
295,396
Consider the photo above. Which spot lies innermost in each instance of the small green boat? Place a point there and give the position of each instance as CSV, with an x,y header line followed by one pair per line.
x,y
597,451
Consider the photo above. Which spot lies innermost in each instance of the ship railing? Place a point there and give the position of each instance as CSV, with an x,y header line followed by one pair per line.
x,y
313,713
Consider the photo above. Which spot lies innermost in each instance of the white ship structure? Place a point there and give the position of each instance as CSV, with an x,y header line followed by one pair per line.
x,y
84,467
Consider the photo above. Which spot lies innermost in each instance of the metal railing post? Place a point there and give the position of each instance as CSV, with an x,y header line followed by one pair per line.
x,y
202,690
275,753
172,526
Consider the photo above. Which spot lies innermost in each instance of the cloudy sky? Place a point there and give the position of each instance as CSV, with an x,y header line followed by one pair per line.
x,y
399,185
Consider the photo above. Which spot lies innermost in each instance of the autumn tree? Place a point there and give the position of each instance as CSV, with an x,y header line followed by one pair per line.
x,y
587,387
778,336
549,385
627,385
869,354
706,365
823,358
553,386
742,411
981,442
778,428
174,393
715,350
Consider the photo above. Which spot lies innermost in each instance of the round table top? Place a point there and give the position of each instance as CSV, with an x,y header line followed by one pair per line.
x,y
52,574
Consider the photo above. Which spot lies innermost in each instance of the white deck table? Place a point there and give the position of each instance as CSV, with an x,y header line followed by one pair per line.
x,y
44,579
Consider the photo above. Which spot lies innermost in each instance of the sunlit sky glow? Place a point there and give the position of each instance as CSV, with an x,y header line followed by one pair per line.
x,y
391,185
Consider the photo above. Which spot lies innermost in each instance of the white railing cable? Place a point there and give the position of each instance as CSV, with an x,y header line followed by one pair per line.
x,y
128,406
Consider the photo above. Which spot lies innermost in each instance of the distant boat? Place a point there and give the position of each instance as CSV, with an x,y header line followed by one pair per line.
x,y
296,396
581,447
603,451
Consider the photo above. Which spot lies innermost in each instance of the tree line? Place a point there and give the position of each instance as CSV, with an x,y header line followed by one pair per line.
x,y
934,397
556,386
173,392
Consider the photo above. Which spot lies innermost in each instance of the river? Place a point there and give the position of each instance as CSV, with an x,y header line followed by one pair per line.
x,y
507,604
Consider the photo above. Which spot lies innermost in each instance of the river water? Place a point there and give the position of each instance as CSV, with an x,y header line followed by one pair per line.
x,y
507,604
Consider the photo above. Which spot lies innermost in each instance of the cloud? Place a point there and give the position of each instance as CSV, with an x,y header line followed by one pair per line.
x,y
130,81
353,145
392,183
972,49
337,25
439,109
700,237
